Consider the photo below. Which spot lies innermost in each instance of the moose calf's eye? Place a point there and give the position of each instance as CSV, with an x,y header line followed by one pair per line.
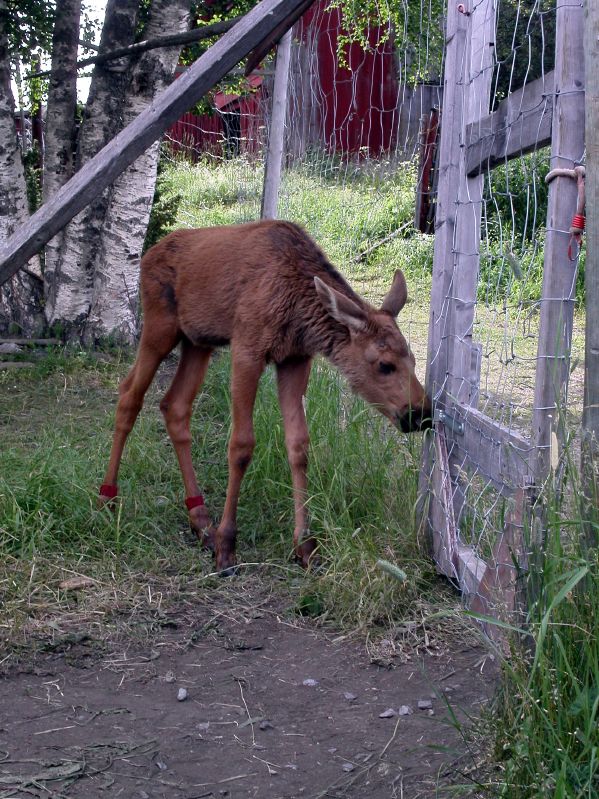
x,y
386,368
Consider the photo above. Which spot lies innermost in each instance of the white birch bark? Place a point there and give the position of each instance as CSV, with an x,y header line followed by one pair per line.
x,y
115,308
60,117
69,299
20,297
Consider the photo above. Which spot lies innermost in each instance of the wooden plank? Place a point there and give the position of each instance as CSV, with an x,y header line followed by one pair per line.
x,y
502,456
521,123
559,285
167,107
471,569
444,532
276,134
590,414
445,222
478,73
500,589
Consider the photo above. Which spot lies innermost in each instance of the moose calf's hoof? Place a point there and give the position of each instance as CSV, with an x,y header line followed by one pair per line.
x,y
108,496
306,555
202,526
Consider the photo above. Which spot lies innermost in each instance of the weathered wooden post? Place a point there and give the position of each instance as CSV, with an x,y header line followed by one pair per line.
x,y
276,134
590,415
559,274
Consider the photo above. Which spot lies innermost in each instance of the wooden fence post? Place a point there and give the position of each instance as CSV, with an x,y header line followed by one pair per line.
x,y
276,134
559,275
590,415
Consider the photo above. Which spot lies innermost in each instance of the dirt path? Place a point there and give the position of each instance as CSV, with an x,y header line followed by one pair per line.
x,y
275,708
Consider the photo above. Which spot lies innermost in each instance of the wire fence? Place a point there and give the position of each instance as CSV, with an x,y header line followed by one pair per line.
x,y
461,202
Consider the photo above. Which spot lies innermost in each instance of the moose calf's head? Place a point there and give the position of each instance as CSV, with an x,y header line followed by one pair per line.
x,y
375,357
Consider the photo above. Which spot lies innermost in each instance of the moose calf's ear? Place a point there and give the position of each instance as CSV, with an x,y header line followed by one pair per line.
x,y
397,296
341,308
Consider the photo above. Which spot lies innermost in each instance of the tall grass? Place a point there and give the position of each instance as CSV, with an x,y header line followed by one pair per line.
x,y
548,736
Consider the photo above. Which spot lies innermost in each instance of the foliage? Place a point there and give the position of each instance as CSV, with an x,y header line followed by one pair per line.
x,y
165,206
33,178
525,43
371,23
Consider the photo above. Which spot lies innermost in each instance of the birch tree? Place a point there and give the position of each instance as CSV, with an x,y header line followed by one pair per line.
x,y
60,116
20,305
69,286
114,309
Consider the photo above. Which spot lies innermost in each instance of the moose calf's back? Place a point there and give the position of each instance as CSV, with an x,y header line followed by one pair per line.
x,y
252,279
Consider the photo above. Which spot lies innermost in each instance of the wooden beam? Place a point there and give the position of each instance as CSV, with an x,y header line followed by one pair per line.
x,y
590,414
276,133
98,173
500,455
559,273
521,123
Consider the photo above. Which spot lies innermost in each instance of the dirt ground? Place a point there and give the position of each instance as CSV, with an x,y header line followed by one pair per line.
x,y
276,707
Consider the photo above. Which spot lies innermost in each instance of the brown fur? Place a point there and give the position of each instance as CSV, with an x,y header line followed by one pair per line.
x,y
266,289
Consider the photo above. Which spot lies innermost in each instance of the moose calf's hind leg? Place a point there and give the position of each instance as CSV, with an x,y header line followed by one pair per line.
x,y
131,396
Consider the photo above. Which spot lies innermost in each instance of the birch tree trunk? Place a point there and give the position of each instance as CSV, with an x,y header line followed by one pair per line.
x,y
20,297
69,295
115,304
60,116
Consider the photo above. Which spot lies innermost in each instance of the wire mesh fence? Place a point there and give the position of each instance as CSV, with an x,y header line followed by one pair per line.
x,y
461,202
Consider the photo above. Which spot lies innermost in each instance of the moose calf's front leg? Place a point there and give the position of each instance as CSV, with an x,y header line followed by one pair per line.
x,y
292,380
246,371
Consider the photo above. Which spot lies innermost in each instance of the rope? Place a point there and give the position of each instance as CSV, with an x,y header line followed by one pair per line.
x,y
578,220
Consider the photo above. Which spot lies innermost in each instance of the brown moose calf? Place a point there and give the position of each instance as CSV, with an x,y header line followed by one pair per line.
x,y
266,289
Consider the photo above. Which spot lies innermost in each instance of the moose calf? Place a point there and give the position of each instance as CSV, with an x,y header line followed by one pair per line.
x,y
266,289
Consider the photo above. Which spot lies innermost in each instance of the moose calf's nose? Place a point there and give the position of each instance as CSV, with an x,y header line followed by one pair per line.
x,y
415,419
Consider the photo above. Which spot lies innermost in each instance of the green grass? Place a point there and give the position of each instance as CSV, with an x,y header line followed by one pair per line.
x,y
57,425
548,737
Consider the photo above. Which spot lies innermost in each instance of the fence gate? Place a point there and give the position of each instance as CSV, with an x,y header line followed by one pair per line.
x,y
498,365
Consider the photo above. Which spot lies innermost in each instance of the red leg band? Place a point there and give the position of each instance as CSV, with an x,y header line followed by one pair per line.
x,y
194,502
108,491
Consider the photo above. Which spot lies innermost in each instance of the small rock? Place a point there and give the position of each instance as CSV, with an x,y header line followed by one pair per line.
x,y
203,726
405,710
424,704
387,714
310,683
160,502
430,712
348,767
169,677
350,697
266,725
332,750
161,765
9,348
181,694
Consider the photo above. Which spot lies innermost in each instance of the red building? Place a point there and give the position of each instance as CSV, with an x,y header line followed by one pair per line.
x,y
344,109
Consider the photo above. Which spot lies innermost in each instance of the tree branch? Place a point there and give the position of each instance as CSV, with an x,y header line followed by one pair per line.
x,y
188,37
